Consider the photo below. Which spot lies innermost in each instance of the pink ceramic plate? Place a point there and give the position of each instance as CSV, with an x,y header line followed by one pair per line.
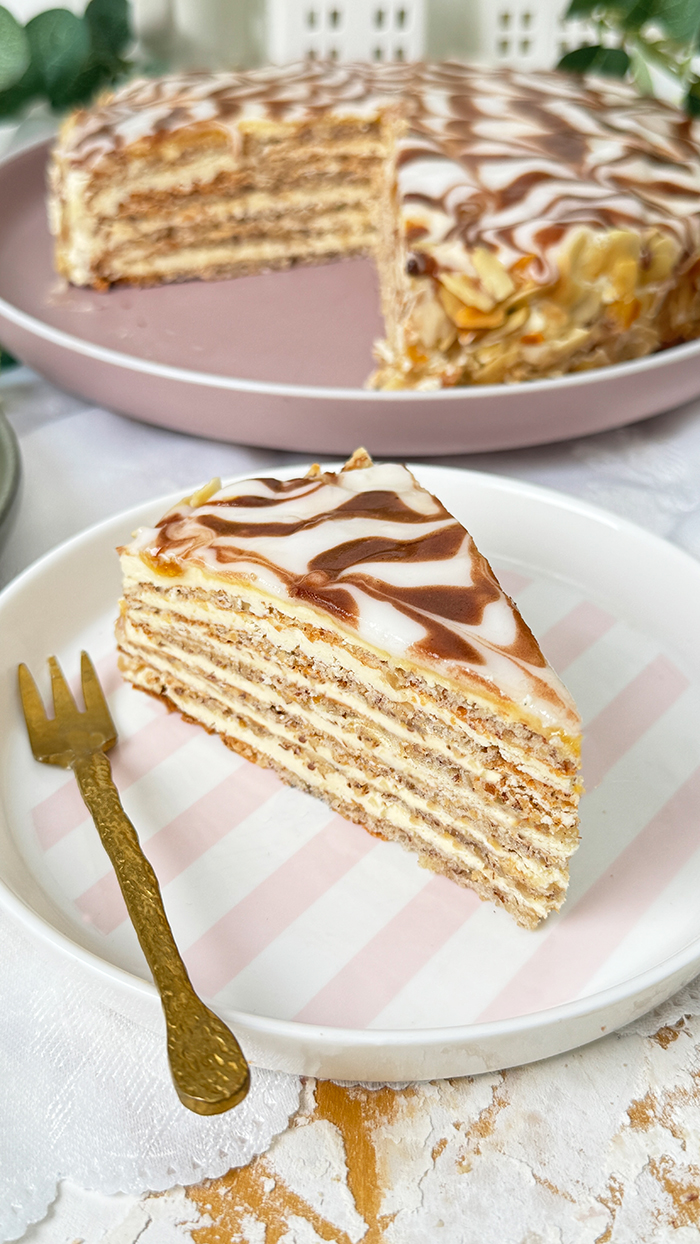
x,y
280,359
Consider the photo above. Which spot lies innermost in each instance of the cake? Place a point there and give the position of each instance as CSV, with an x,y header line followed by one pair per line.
x,y
343,629
523,225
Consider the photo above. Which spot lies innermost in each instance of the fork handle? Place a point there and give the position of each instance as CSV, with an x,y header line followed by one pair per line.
x,y
208,1067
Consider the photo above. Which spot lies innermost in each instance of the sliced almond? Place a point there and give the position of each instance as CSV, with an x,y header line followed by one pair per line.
x,y
517,319
586,308
466,290
492,274
202,495
431,323
624,277
663,255
452,256
416,356
625,311
492,372
594,259
469,317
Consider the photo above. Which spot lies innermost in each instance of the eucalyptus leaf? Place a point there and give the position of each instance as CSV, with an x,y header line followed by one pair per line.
x,y
60,48
581,8
80,90
16,97
680,19
594,58
692,100
14,50
581,59
613,62
108,24
632,16
641,73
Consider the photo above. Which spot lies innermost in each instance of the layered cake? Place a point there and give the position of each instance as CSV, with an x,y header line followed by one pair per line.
x,y
523,225
344,630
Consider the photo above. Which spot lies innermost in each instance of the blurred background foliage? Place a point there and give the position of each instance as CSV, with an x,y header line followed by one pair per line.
x,y
640,39
62,58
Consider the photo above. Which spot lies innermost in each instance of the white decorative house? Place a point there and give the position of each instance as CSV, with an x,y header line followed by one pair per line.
x,y
529,34
376,30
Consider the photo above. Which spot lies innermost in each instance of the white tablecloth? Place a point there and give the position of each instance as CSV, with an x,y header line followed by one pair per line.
x,y
83,464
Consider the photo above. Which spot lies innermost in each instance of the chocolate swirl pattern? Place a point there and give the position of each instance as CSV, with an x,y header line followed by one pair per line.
x,y
383,557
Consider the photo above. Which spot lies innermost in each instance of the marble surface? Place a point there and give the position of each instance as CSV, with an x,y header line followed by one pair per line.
x,y
599,1145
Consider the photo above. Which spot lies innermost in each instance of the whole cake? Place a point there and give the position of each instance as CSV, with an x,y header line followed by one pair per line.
x,y
523,225
343,629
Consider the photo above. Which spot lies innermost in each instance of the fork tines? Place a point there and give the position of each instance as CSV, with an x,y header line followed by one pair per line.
x,y
48,736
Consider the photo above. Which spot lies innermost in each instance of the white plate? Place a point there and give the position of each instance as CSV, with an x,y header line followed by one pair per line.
x,y
280,359
335,954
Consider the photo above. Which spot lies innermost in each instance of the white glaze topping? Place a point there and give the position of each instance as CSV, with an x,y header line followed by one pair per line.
x,y
373,550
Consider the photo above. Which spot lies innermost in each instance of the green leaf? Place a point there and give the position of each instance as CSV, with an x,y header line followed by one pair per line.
x,y
593,58
633,14
580,8
692,100
15,97
680,19
6,360
613,62
60,47
580,60
94,78
640,72
108,23
14,50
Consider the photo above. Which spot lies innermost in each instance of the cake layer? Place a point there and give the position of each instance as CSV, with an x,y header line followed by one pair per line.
x,y
341,218
127,190
149,214
211,260
402,790
422,751
233,620
527,887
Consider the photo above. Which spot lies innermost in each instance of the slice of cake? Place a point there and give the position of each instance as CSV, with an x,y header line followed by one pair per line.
x,y
343,629
523,225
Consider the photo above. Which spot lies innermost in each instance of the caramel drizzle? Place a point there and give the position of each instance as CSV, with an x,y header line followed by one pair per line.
x,y
377,504
332,573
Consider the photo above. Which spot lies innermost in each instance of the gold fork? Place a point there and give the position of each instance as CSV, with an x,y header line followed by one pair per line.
x,y
207,1064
